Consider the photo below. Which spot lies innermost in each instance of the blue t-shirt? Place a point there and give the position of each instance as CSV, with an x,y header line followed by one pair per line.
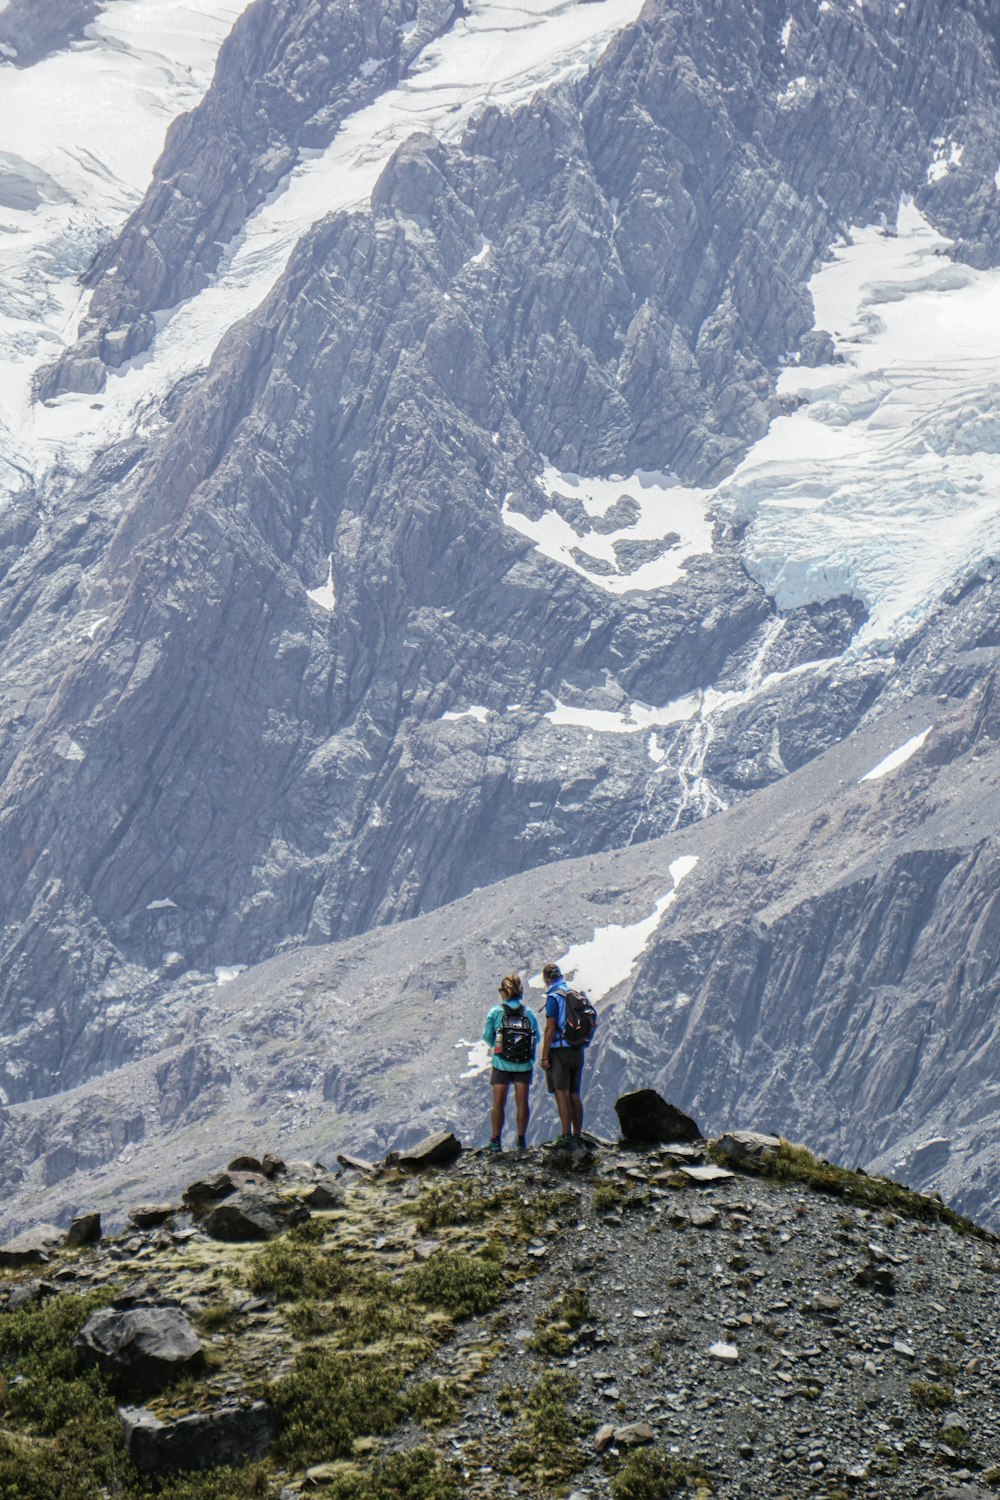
x,y
555,1006
491,1028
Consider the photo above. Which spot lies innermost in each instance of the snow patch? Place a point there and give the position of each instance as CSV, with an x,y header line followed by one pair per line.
x,y
786,34
164,904
475,712
947,154
639,717
608,959
669,518
885,483
479,1058
226,973
324,596
897,758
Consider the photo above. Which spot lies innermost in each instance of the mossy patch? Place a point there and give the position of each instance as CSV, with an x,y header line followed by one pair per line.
x,y
459,1284
798,1164
418,1475
651,1474
930,1396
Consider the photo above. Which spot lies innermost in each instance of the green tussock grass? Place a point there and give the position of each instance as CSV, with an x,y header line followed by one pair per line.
x,y
798,1164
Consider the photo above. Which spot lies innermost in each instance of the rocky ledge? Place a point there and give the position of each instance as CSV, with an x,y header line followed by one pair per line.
x,y
735,1318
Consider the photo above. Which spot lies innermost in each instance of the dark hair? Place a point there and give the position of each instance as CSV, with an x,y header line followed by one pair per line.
x,y
551,972
511,987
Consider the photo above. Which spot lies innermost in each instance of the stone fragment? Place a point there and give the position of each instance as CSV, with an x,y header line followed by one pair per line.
x,y
151,1215
202,1440
728,1353
199,1196
246,1164
356,1164
633,1434
327,1193
85,1229
252,1213
32,1248
747,1146
703,1216
433,1151
272,1166
646,1118
706,1173
141,1349
29,1293
906,1350
603,1437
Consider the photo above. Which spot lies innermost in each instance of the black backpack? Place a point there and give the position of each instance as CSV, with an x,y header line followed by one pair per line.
x,y
516,1036
581,1018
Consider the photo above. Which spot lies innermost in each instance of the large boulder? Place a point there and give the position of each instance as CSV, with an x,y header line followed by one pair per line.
x,y
646,1119
325,1194
200,1196
433,1151
748,1146
253,1213
32,1248
203,1440
141,1349
85,1229
152,1215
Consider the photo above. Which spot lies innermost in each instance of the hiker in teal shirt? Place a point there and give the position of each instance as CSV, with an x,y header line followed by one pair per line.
x,y
511,1030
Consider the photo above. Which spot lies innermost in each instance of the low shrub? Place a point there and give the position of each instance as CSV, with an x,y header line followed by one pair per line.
x,y
457,1283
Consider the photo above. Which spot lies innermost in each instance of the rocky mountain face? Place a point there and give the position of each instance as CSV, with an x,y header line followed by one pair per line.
x,y
729,1318
337,633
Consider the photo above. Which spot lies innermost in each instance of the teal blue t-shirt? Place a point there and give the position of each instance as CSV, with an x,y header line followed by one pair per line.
x,y
490,1037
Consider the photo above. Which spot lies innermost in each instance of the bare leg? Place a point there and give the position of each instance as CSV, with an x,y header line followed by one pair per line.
x,y
499,1107
565,1109
521,1100
576,1113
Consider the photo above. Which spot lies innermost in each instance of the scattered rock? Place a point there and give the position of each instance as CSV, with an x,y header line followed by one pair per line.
x,y
646,1118
29,1293
434,1151
247,1164
85,1229
272,1166
253,1214
728,1353
208,1190
327,1193
141,1348
747,1146
202,1440
356,1164
706,1173
151,1215
633,1434
32,1248
604,1437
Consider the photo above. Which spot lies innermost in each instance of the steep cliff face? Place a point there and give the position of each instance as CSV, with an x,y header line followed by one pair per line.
x,y
448,567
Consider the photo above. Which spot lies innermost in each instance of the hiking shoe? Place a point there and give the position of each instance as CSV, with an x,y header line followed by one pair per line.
x,y
522,1144
563,1142
494,1145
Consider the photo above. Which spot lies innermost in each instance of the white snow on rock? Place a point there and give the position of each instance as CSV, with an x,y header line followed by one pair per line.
x,y
477,711
226,973
499,53
604,962
786,34
897,758
479,1057
324,596
947,154
82,130
664,512
163,905
885,483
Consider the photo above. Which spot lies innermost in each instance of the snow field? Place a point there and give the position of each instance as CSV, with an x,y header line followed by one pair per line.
x,y
897,758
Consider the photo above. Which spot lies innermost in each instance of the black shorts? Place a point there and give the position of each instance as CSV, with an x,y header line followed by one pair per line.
x,y
566,1069
499,1075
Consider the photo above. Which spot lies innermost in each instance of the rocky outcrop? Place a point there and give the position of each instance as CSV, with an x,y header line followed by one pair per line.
x,y
30,32
252,1213
233,1435
647,1119
140,1349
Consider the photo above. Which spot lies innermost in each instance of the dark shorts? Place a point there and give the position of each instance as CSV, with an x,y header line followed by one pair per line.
x,y
498,1075
566,1069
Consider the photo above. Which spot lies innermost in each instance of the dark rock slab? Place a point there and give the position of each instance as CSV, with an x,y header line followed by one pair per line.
x,y
85,1229
203,1440
32,1248
247,1164
141,1349
253,1214
437,1150
152,1215
327,1193
646,1118
272,1166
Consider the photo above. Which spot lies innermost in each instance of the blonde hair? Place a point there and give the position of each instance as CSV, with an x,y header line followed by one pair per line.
x,y
511,987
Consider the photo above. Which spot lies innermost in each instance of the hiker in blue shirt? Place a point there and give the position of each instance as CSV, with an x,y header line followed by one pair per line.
x,y
561,1058
512,1031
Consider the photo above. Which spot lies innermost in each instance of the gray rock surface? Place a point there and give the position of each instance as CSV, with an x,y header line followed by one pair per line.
x,y
646,1118
232,1435
141,1349
252,1213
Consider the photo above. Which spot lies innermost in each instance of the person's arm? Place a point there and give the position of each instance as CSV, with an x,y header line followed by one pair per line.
x,y
547,1039
490,1030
